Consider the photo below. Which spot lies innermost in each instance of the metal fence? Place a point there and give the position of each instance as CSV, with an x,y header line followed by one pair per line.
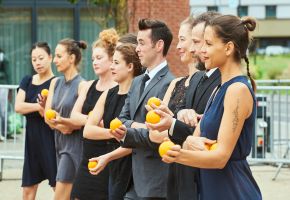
x,y
271,140
12,131
272,137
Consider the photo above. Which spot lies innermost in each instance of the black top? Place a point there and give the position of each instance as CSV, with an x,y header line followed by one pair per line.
x,y
84,186
177,100
113,106
92,97
120,169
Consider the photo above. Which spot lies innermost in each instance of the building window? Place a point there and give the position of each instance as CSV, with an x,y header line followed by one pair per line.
x,y
212,8
270,12
242,11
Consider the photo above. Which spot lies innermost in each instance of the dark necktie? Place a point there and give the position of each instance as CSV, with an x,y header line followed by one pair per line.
x,y
204,78
142,86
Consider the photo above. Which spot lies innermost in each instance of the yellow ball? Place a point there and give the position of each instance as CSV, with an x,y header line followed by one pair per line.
x,y
213,146
154,100
115,123
164,147
44,93
92,164
152,117
50,114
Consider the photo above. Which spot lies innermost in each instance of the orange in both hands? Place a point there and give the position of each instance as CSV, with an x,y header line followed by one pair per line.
x,y
164,147
50,114
154,100
92,164
115,123
44,93
152,117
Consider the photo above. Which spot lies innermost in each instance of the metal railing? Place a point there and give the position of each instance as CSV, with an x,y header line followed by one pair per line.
x,y
12,127
271,140
272,137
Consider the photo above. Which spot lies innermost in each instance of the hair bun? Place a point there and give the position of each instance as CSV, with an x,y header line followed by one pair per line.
x,y
109,36
82,44
249,23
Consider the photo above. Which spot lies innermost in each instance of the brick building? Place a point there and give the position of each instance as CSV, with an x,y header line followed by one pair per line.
x,y
172,12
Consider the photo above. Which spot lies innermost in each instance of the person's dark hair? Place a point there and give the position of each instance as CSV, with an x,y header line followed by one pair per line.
x,y
74,47
130,55
129,38
230,28
205,17
108,39
159,31
42,45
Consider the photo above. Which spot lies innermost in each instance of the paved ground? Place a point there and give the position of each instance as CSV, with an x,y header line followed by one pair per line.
x,y
10,187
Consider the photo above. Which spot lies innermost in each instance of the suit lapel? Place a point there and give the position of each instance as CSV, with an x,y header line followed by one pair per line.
x,y
151,84
208,82
191,89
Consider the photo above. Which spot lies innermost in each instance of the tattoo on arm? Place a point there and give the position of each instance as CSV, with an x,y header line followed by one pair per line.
x,y
235,115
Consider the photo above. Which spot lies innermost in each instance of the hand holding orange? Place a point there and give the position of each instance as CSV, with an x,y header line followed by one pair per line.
x,y
92,164
50,114
115,123
154,100
164,147
152,117
44,93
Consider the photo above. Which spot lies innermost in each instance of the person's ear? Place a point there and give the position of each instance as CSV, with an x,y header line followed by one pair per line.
x,y
229,48
160,45
72,58
130,67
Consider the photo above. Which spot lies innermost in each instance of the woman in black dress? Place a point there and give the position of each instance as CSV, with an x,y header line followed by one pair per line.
x,y
39,159
125,67
87,186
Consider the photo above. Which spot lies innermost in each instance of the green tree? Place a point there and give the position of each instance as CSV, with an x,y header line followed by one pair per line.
x,y
116,11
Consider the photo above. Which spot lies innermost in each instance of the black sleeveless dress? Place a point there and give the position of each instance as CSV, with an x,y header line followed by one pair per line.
x,y
120,170
86,185
180,176
40,160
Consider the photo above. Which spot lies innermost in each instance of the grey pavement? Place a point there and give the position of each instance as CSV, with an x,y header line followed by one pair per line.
x,y
10,187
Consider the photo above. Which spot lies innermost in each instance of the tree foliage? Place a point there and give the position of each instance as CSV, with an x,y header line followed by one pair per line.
x,y
115,10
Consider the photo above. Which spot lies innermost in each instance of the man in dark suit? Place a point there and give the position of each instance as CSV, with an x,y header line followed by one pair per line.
x,y
149,172
182,184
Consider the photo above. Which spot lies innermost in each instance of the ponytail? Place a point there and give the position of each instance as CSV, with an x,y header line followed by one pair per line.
x,y
253,83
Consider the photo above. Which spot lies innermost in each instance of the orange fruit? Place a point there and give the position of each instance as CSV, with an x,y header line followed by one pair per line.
x,y
152,117
50,114
207,146
213,146
164,147
92,164
115,123
154,100
44,93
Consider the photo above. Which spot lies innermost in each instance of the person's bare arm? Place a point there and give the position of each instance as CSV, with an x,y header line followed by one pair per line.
x,y
76,115
92,129
23,107
238,105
